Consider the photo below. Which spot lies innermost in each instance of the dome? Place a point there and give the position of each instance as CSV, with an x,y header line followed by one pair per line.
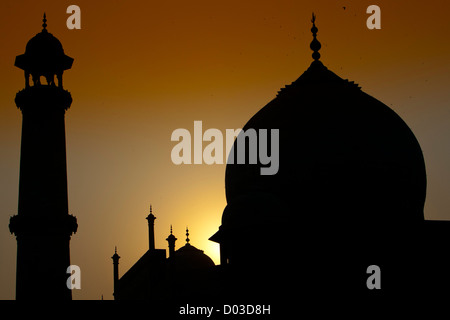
x,y
44,53
44,44
344,157
189,257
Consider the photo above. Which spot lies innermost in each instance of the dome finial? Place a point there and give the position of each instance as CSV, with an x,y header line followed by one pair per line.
x,y
151,209
187,235
44,25
170,229
315,44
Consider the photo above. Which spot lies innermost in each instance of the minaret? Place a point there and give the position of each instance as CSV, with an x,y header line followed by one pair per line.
x,y
115,258
171,240
151,230
43,226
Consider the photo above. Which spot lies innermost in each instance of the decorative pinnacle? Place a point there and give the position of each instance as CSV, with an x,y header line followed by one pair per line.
x,y
115,256
171,237
44,25
151,217
315,44
187,235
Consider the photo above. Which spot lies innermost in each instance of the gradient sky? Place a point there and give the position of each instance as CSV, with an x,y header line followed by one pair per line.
x,y
143,69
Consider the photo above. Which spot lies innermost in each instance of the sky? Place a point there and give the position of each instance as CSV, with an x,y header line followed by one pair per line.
x,y
143,69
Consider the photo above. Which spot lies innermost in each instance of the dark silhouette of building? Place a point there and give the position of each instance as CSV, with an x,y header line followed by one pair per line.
x,y
43,226
349,193
186,272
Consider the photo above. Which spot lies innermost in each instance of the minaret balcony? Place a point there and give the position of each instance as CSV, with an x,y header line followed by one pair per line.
x,y
44,96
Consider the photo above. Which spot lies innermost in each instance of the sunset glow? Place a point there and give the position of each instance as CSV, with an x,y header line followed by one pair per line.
x,y
143,69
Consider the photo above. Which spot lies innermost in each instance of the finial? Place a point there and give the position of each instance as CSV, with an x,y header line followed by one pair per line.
x,y
44,25
151,217
315,44
171,237
187,235
115,256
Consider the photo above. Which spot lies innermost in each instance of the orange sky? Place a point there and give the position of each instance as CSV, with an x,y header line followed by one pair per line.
x,y
143,69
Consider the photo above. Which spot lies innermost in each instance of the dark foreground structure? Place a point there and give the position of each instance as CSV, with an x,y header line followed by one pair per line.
x,y
349,195
185,273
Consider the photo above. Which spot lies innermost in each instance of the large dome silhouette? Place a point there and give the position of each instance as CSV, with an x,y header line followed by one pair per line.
x,y
348,195
344,157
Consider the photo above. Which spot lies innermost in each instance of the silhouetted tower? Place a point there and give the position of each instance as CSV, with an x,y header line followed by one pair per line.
x,y
116,258
151,230
43,226
171,240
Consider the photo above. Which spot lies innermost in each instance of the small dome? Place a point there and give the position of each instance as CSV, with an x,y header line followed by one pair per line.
x,y
44,44
189,257
44,53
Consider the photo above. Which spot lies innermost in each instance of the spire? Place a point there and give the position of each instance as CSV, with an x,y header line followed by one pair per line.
x,y
44,25
315,44
115,258
187,236
150,216
151,229
171,240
